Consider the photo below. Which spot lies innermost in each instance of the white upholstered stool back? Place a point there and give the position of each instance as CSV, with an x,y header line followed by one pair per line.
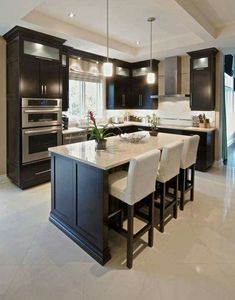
x,y
170,162
139,181
189,153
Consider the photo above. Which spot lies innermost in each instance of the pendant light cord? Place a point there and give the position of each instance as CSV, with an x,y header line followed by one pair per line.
x,y
151,45
107,30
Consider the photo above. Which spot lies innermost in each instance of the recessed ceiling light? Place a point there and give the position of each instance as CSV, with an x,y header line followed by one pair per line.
x,y
71,15
137,43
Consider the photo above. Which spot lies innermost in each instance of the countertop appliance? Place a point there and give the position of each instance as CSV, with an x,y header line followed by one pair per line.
x,y
65,122
41,127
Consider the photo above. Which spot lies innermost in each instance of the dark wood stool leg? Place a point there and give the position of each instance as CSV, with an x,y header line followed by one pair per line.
x,y
175,211
182,195
151,220
162,206
192,182
130,219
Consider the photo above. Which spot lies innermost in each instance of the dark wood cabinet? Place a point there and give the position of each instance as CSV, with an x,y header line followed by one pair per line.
x,y
40,78
65,85
50,78
29,75
202,79
131,91
118,88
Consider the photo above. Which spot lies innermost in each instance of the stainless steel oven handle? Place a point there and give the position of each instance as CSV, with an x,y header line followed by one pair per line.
x,y
31,111
41,131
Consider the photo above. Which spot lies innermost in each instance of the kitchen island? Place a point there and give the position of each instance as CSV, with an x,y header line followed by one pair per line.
x,y
79,187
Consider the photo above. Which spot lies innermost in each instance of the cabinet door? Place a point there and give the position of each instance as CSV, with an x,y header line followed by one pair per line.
x,y
201,90
65,89
148,90
30,78
50,75
120,92
136,92
110,86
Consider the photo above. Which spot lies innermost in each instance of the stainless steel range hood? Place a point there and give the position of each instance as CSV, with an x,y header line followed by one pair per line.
x,y
172,79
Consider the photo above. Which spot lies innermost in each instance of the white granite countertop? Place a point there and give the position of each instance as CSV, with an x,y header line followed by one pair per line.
x,y
118,152
189,128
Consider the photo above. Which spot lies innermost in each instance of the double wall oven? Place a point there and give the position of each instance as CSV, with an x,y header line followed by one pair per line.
x,y
41,127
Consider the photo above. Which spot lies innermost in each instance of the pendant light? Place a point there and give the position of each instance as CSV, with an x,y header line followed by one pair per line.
x,y
151,77
107,66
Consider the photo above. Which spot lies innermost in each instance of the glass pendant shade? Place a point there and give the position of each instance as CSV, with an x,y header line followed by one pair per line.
x,y
108,69
151,78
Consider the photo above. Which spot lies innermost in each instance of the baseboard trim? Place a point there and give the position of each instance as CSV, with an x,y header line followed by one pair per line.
x,y
4,179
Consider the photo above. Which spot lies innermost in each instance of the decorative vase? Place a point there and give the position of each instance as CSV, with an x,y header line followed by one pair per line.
x,y
153,132
101,144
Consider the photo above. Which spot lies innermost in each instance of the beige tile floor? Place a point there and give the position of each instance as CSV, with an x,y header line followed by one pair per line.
x,y
193,259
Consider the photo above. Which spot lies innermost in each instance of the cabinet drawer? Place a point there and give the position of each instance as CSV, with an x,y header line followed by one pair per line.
x,y
35,173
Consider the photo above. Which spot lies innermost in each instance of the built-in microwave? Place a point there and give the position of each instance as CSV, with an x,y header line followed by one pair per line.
x,y
41,112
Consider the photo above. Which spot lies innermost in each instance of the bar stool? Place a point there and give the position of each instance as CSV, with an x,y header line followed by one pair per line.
x,y
188,160
168,171
131,187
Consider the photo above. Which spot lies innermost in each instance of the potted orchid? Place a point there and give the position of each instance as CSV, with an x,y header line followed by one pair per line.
x,y
154,125
98,134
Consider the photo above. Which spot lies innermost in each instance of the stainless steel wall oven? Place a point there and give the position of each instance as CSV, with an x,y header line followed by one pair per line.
x,y
41,127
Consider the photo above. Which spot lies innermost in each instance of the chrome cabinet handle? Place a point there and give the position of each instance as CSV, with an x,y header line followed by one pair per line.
x,y
123,100
42,172
42,89
45,89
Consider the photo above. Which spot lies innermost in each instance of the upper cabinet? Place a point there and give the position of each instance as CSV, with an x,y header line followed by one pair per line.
x,y
40,78
141,90
39,58
65,81
202,79
128,87
118,94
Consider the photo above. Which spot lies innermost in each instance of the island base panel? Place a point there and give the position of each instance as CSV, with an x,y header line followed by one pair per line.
x,y
79,204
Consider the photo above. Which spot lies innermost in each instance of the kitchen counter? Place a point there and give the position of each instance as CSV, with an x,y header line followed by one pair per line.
x,y
79,188
190,128
118,151
114,125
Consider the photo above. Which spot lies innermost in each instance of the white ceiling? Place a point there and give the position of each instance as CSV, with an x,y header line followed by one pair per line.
x,y
180,26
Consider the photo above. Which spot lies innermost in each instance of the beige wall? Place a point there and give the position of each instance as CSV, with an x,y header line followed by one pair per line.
x,y
2,106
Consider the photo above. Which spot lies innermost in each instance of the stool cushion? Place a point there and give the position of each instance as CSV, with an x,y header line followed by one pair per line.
x,y
170,162
118,184
139,182
189,153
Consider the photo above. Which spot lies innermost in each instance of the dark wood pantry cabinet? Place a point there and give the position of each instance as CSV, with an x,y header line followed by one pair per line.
x,y
34,70
202,79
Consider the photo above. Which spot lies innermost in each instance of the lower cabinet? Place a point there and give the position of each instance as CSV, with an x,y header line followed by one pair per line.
x,y
35,173
206,149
